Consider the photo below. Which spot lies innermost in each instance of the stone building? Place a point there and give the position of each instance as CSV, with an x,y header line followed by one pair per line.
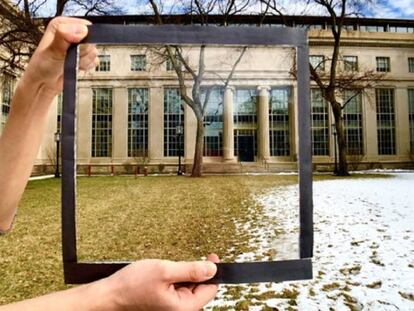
x,y
129,109
7,76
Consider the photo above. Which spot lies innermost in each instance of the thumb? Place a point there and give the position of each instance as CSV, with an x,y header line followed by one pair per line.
x,y
65,35
193,272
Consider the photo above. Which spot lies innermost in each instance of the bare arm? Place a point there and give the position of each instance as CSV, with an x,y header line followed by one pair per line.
x,y
34,94
143,285
94,296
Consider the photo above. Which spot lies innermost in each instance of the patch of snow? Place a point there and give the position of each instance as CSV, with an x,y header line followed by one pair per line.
x,y
41,177
383,171
364,245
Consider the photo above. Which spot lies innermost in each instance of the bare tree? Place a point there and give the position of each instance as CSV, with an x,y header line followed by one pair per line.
x,y
334,82
21,28
200,93
19,35
92,7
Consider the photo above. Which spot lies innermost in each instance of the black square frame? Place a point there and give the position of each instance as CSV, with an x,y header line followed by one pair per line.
x,y
231,273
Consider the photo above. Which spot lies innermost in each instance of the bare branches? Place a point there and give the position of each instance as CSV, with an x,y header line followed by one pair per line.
x,y
19,35
201,69
357,83
197,73
315,76
235,66
334,82
181,79
233,8
60,6
21,32
203,9
271,6
92,7
174,55
184,62
156,12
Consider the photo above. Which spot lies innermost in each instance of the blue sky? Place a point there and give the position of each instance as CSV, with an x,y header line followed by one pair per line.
x,y
403,9
392,9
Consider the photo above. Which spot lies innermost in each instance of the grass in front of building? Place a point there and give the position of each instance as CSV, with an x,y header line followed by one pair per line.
x,y
126,218
167,217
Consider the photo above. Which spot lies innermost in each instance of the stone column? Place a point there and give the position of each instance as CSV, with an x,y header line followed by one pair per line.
x,y
156,124
190,133
228,125
84,125
263,123
402,130
370,125
120,124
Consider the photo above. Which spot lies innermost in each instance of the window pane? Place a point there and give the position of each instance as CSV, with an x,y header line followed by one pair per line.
x,y
399,29
213,121
351,63
411,64
138,122
279,121
352,114
317,62
104,63
385,121
173,117
372,28
6,97
245,117
102,123
411,117
320,124
138,63
169,65
383,64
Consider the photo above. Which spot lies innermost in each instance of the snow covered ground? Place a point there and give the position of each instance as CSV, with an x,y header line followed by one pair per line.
x,y
364,248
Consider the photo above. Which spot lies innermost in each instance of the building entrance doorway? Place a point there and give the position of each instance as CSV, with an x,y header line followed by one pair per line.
x,y
246,148
245,144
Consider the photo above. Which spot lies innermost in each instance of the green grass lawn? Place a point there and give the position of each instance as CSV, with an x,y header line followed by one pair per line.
x,y
126,218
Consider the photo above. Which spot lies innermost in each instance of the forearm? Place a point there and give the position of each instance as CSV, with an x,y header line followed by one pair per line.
x,y
90,297
19,144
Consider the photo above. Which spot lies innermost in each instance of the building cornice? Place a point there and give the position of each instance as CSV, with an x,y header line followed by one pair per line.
x,y
290,20
366,39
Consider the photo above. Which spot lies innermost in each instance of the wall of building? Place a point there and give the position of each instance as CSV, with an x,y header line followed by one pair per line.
x,y
399,48
261,69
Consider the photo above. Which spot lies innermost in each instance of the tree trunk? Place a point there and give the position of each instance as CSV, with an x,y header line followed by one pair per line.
x,y
198,153
340,133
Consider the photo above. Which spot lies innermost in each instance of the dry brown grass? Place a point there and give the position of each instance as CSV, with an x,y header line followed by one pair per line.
x,y
127,218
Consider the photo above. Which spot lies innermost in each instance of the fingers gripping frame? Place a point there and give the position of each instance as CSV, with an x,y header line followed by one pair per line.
x,y
272,271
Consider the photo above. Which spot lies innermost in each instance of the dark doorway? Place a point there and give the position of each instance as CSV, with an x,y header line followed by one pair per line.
x,y
246,148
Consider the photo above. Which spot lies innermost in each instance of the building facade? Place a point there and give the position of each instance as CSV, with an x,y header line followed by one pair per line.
x,y
130,108
7,77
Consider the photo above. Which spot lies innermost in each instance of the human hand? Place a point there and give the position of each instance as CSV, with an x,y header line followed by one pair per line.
x,y
45,69
152,285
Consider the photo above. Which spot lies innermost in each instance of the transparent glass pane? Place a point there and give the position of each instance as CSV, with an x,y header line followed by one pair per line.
x,y
137,124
